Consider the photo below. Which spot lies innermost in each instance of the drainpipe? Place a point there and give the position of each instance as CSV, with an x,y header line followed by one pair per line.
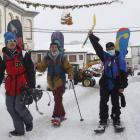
x,y
5,13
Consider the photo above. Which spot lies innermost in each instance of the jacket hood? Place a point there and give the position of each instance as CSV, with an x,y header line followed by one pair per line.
x,y
19,49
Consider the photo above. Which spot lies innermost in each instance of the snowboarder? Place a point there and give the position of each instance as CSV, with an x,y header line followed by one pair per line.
x,y
20,69
112,82
57,65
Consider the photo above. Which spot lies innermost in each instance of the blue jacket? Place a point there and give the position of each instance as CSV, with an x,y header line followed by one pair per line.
x,y
112,66
57,68
115,70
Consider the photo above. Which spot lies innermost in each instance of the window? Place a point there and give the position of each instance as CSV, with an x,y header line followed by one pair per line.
x,y
28,26
80,57
135,66
10,17
38,58
0,22
72,58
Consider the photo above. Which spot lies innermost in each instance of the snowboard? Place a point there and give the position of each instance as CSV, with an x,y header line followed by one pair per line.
x,y
58,37
122,39
15,27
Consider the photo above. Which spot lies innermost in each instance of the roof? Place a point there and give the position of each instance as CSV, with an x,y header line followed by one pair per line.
x,y
68,48
22,6
136,44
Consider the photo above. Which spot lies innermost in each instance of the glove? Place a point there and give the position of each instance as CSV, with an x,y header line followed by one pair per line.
x,y
123,102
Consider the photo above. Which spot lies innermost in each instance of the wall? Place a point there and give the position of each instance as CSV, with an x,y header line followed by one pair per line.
x,y
81,62
135,58
128,62
22,15
33,55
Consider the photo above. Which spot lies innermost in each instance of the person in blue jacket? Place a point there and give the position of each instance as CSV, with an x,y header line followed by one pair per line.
x,y
113,80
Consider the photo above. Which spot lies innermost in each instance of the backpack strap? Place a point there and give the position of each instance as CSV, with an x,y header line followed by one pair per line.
x,y
4,59
117,63
59,62
21,55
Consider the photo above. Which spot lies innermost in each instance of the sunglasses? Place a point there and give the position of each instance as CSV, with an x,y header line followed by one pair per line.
x,y
10,41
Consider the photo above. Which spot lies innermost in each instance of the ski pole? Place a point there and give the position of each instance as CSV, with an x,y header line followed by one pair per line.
x,y
91,30
77,101
49,97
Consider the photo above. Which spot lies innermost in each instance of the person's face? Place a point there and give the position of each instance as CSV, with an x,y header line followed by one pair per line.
x,y
110,49
54,49
11,44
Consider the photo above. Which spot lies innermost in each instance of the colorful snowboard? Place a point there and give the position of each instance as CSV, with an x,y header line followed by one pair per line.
x,y
122,40
58,37
15,27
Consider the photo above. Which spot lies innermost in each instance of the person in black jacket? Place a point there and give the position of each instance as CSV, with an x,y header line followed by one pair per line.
x,y
20,69
113,80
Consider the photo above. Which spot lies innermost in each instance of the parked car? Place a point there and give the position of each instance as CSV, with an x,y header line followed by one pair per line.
x,y
138,73
130,71
96,74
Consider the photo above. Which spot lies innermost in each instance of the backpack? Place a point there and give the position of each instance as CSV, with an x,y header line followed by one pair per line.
x,y
20,56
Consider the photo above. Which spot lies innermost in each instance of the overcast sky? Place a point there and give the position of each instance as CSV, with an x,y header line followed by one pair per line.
x,y
116,15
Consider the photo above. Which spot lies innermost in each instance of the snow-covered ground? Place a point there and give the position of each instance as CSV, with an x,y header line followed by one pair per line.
x,y
73,128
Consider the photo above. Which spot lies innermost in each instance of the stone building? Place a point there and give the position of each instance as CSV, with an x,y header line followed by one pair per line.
x,y
10,10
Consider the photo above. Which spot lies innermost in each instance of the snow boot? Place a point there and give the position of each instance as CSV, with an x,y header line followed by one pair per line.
x,y
56,121
63,118
102,127
14,133
103,122
29,127
117,125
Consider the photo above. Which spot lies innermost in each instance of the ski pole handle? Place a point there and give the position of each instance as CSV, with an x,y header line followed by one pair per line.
x,y
94,20
85,41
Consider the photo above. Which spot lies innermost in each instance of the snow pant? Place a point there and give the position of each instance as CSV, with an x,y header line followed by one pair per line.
x,y
58,106
104,98
19,113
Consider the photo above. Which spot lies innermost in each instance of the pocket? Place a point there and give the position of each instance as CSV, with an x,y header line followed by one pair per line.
x,y
21,79
61,90
8,83
103,82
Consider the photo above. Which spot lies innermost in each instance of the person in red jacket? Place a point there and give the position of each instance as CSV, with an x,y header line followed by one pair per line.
x,y
20,69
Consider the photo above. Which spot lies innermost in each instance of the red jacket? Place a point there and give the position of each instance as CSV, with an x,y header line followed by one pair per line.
x,y
16,72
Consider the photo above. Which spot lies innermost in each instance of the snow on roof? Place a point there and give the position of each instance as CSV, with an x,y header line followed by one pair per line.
x,y
23,6
134,44
68,48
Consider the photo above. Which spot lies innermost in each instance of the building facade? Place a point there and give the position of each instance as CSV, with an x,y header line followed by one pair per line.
x,y
77,57
10,11
135,51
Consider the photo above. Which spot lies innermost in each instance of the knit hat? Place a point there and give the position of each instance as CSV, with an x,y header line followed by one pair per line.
x,y
8,36
110,44
55,42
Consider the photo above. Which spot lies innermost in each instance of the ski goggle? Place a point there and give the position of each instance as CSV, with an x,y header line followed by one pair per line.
x,y
10,41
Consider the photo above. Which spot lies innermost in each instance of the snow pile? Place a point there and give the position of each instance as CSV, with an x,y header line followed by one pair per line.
x,y
73,128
